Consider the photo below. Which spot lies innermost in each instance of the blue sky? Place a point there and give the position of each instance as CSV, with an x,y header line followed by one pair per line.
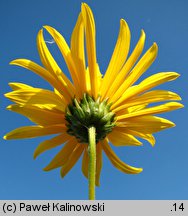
x,y
165,174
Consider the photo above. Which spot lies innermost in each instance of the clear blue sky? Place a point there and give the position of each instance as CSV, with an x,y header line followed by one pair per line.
x,y
165,174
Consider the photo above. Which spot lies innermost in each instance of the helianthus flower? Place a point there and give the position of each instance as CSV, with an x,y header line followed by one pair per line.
x,y
92,108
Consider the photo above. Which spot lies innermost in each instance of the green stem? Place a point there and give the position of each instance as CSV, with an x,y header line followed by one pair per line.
x,y
92,161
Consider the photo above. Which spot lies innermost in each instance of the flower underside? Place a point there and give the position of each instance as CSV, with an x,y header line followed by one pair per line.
x,y
128,115
86,113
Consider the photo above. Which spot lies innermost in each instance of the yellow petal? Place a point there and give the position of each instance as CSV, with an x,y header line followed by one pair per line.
x,y
118,138
77,50
99,77
38,115
37,96
131,109
51,65
146,124
152,110
40,71
149,137
63,155
118,57
89,24
149,97
88,83
117,162
34,131
157,79
146,84
77,152
17,86
51,143
64,48
28,64
137,71
134,108
135,54
120,78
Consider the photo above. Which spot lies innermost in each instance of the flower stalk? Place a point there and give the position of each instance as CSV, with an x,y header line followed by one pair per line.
x,y
92,161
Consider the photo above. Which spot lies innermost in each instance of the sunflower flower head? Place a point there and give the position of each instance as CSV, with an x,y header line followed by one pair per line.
x,y
121,111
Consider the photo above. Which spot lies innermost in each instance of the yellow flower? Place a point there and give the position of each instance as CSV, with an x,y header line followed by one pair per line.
x,y
113,103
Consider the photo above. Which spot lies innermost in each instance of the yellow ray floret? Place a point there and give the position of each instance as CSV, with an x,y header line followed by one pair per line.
x,y
75,155
78,52
118,138
137,71
63,156
151,110
120,77
145,85
89,25
145,124
51,143
118,57
34,131
39,115
149,97
37,96
117,162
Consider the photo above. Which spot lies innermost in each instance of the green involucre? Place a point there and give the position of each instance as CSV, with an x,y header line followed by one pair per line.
x,y
87,112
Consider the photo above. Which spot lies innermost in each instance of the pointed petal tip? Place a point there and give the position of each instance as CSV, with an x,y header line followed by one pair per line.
x,y
5,137
84,6
142,31
46,169
46,27
9,96
173,74
155,47
11,84
9,106
16,61
143,34
137,170
178,97
155,44
152,141
40,31
35,155
138,143
62,173
12,62
5,95
179,105
170,124
123,22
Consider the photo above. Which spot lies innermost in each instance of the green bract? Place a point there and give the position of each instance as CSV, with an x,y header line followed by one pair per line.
x,y
86,113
